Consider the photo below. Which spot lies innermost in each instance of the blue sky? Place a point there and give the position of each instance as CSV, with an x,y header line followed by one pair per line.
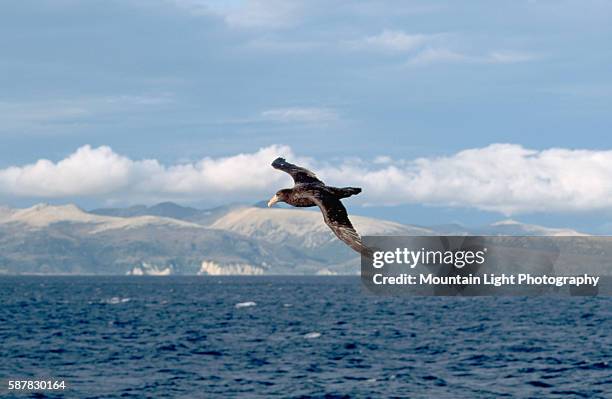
x,y
177,81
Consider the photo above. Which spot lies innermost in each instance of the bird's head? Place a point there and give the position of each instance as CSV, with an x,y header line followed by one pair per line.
x,y
280,196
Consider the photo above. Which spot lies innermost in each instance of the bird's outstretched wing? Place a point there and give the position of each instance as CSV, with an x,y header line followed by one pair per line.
x,y
336,217
299,174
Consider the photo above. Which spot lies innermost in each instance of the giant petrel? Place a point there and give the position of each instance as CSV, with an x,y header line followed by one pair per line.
x,y
308,190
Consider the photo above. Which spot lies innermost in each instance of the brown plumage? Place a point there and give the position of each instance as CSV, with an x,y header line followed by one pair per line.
x,y
308,190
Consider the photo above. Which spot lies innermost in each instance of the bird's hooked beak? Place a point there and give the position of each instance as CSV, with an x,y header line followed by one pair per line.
x,y
273,200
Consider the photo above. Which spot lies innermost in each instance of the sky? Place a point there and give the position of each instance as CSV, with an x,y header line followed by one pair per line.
x,y
443,111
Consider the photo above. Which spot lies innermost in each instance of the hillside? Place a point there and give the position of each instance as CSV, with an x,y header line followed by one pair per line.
x,y
66,239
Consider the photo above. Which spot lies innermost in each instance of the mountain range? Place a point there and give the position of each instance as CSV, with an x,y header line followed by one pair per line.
x,y
168,238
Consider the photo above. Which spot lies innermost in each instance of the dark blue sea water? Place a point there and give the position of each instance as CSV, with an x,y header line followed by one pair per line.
x,y
184,337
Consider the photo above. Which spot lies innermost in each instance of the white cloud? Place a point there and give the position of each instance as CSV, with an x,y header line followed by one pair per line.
x,y
264,14
300,114
85,172
442,55
428,49
102,173
269,14
506,178
393,40
281,14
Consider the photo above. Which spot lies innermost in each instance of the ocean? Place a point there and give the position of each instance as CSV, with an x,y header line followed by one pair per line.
x,y
298,337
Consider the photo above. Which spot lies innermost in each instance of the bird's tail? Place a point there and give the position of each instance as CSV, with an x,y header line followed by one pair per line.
x,y
346,192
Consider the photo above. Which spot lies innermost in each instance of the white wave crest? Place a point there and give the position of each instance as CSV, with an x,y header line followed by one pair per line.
x,y
312,335
116,300
245,304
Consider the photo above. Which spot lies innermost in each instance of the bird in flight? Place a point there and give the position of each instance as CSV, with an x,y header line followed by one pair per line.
x,y
308,190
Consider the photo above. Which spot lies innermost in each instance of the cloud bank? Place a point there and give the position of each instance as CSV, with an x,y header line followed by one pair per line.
x,y
102,173
505,178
